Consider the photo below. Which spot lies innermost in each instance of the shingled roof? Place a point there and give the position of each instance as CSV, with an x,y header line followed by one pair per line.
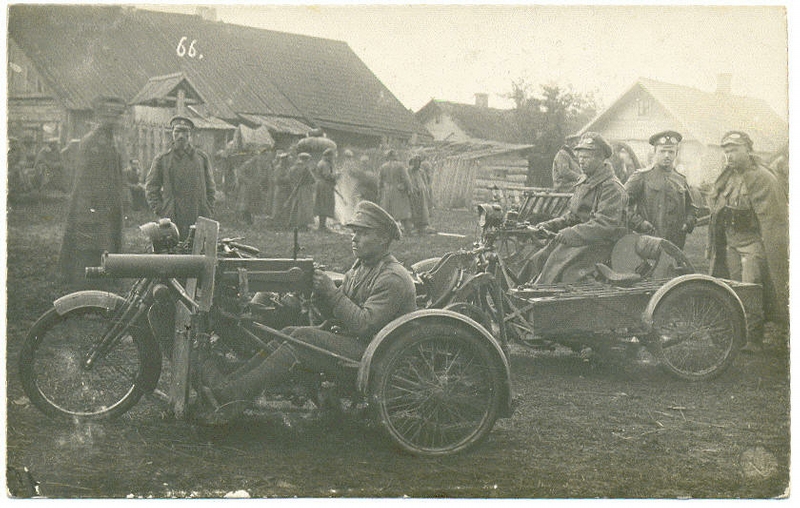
x,y
83,51
707,116
478,122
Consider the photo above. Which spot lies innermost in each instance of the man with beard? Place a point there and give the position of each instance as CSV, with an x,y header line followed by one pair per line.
x,y
375,291
180,184
658,196
593,222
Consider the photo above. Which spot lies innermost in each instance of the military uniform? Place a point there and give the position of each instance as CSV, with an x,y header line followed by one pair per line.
x,y
301,199
180,185
324,196
593,222
566,171
749,235
395,185
282,189
660,198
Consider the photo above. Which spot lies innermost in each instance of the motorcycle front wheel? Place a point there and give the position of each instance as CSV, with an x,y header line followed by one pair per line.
x,y
57,379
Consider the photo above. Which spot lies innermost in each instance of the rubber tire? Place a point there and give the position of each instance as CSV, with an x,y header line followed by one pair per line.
x,y
148,368
405,348
688,299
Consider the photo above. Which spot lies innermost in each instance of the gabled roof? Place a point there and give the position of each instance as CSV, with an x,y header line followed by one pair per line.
x,y
87,50
278,124
707,116
160,88
478,122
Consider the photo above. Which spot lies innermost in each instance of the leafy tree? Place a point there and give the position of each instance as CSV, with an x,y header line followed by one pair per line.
x,y
544,120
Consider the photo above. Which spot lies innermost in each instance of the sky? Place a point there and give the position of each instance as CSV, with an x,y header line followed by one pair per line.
x,y
451,52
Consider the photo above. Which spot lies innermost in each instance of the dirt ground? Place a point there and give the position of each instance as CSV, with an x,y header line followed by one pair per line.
x,y
621,428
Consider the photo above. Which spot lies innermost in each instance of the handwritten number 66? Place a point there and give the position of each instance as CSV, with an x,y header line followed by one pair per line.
x,y
181,49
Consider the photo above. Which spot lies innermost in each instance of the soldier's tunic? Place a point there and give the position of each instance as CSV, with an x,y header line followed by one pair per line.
x,y
369,298
420,198
324,196
282,189
395,185
596,215
749,234
250,194
94,217
180,185
566,171
662,198
301,200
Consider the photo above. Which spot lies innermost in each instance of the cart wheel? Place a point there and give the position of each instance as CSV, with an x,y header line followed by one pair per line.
x,y
437,390
698,329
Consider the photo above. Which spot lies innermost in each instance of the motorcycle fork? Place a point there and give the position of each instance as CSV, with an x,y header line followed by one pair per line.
x,y
128,316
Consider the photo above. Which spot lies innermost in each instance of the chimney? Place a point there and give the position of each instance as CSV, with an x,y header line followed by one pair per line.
x,y
207,13
724,83
482,100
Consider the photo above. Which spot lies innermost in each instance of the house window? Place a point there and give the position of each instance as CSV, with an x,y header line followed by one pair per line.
x,y
643,106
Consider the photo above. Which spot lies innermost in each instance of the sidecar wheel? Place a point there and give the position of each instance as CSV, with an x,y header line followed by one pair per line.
x,y
57,382
698,330
437,390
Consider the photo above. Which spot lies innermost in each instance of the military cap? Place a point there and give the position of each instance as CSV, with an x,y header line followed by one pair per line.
x,y
104,104
737,138
348,153
303,156
371,216
594,141
181,123
282,155
666,138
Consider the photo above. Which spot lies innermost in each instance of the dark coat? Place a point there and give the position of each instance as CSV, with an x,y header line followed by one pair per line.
x,y
181,186
395,187
324,196
94,217
420,197
663,199
566,171
301,200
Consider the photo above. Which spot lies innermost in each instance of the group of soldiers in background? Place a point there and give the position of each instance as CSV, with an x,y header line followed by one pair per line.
x,y
748,202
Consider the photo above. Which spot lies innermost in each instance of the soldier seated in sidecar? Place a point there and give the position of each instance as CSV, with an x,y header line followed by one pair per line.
x,y
375,291
595,219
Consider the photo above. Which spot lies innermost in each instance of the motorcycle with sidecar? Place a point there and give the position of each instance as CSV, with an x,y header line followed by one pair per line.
x,y
434,380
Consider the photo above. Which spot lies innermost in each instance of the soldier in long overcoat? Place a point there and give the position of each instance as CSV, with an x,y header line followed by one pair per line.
x,y
659,200
282,189
420,195
593,222
324,194
250,194
300,203
180,184
394,184
749,229
94,217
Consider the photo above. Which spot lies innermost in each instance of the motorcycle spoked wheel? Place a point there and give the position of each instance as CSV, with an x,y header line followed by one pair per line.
x,y
55,379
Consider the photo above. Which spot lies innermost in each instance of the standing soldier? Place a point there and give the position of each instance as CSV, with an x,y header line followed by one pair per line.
x,y
180,184
282,186
566,171
325,180
659,201
419,196
300,204
48,167
427,169
395,187
249,186
749,230
94,218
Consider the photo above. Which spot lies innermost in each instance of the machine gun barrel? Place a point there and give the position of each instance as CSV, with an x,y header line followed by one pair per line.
x,y
134,266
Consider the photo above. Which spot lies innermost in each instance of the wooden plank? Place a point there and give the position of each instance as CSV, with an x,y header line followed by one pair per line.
x,y
179,386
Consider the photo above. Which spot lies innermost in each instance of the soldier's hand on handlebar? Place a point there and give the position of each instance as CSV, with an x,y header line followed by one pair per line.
x,y
540,232
323,285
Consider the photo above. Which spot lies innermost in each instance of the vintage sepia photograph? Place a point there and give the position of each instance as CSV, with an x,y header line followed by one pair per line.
x,y
419,250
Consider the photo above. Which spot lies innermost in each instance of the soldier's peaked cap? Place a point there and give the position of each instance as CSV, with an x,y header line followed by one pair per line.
x,y
594,141
666,138
736,138
303,156
181,122
371,216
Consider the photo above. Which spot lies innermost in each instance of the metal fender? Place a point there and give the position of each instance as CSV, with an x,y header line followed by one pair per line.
x,y
383,340
93,298
647,316
424,265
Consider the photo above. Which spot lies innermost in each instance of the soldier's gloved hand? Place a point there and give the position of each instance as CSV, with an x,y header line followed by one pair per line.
x,y
568,237
541,233
647,228
323,285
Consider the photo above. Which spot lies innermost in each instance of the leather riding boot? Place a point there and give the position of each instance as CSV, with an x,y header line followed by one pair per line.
x,y
256,375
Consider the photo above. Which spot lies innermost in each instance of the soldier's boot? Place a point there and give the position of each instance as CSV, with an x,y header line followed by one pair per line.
x,y
231,394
